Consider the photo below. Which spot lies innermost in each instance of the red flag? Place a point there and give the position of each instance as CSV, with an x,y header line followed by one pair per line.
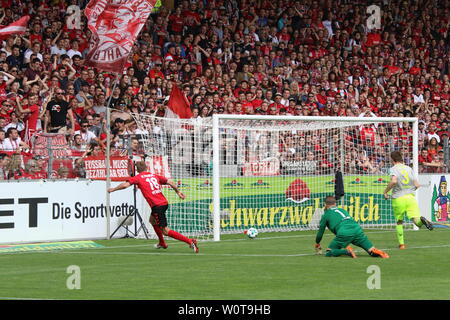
x,y
179,104
17,27
115,26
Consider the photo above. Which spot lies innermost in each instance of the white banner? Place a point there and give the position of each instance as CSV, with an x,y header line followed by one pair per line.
x,y
33,211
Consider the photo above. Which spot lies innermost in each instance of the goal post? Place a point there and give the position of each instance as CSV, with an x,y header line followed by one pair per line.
x,y
273,172
287,194
216,178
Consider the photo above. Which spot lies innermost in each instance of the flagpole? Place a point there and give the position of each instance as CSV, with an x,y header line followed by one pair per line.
x,y
108,157
93,13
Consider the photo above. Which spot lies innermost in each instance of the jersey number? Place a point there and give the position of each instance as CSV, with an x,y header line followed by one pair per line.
x,y
405,176
342,215
153,182
338,211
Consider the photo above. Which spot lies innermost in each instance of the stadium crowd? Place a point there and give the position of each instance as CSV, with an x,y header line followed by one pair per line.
x,y
308,58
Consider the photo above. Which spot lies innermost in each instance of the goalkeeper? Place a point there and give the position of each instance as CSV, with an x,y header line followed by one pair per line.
x,y
347,232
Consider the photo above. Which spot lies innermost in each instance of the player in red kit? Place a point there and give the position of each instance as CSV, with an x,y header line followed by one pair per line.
x,y
150,186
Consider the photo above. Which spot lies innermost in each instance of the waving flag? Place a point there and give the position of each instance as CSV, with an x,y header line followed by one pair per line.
x,y
178,103
17,27
115,26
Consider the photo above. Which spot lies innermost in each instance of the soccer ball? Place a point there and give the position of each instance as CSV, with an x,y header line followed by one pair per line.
x,y
252,233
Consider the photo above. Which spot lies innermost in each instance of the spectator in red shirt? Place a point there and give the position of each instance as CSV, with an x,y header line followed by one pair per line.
x,y
433,147
32,115
5,110
444,130
192,19
32,171
41,165
156,72
176,21
424,159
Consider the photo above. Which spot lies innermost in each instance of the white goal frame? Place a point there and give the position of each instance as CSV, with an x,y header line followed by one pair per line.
x,y
216,146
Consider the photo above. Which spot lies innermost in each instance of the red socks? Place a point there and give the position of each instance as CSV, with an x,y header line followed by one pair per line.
x,y
159,234
172,234
179,236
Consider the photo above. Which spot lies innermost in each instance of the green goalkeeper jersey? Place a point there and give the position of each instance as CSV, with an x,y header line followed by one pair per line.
x,y
332,219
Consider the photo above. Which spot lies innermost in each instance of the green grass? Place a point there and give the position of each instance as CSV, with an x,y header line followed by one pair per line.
x,y
273,266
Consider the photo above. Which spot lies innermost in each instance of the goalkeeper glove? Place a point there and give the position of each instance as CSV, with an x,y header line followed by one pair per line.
x,y
318,248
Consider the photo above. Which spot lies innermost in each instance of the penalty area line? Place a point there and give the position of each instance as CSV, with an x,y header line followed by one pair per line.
x,y
189,254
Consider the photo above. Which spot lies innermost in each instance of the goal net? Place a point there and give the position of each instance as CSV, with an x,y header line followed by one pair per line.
x,y
273,173
182,151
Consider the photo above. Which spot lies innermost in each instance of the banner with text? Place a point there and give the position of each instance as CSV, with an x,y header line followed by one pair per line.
x,y
32,211
96,168
266,167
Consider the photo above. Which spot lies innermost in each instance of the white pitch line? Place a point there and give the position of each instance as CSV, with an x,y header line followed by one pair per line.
x,y
180,243
230,254
16,298
188,254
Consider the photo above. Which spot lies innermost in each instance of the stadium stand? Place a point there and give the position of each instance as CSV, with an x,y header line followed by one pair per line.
x,y
309,58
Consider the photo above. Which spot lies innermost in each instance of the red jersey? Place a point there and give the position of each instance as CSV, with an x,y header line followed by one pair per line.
x,y
32,117
36,37
191,18
150,186
34,176
176,22
153,74
423,159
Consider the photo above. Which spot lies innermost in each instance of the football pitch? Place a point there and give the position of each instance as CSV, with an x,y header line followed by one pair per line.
x,y
274,266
